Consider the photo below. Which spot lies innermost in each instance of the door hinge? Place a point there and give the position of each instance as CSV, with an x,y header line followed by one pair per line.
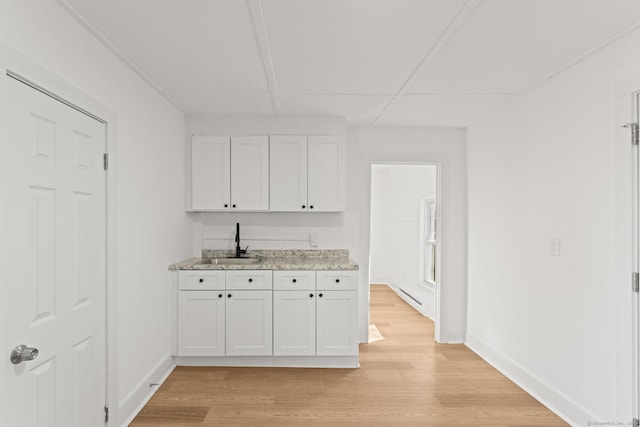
x,y
635,282
106,413
635,133
105,158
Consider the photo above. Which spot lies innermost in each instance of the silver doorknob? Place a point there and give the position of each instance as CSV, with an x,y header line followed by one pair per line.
x,y
22,353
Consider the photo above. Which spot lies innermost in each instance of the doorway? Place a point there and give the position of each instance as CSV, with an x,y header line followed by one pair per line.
x,y
404,232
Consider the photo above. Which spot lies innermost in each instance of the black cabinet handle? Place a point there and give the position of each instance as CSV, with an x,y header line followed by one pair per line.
x,y
219,295
294,280
337,280
250,280
226,205
233,206
229,296
310,206
310,295
201,280
320,295
304,206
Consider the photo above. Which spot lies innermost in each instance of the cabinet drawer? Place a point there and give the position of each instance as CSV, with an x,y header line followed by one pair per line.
x,y
200,280
337,280
294,280
249,279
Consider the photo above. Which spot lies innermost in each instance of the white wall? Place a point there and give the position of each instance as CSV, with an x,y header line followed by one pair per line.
x,y
447,148
350,229
545,166
396,197
152,228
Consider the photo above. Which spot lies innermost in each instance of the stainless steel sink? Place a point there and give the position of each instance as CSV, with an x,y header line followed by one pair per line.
x,y
231,261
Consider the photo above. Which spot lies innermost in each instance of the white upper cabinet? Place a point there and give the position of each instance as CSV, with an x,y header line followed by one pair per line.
x,y
229,173
210,173
307,173
326,173
280,173
250,173
288,172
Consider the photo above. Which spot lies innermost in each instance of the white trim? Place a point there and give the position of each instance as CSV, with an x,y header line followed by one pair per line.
x,y
24,66
262,38
558,402
626,255
133,403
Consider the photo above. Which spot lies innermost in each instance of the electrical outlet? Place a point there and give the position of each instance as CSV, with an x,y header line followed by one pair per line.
x,y
313,240
554,246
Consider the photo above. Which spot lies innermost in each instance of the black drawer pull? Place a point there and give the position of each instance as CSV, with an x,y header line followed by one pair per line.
x,y
250,280
201,280
294,280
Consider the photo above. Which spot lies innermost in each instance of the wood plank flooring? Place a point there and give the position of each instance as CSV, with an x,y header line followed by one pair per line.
x,y
404,380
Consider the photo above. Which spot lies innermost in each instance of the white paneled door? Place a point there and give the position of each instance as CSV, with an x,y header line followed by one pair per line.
x,y
54,244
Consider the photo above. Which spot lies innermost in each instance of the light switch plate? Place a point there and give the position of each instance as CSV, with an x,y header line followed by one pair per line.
x,y
554,246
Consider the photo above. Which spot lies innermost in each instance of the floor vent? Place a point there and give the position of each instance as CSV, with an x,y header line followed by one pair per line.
x,y
410,296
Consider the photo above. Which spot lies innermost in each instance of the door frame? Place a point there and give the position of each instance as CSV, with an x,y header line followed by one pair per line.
x,y
45,79
442,166
627,251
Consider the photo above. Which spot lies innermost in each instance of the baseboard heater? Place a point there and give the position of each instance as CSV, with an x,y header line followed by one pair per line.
x,y
410,296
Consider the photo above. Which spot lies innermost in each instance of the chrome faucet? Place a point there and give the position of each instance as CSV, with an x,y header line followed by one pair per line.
x,y
239,252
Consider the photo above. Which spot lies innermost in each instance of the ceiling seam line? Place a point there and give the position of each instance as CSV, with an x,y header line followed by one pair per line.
x,y
118,53
456,23
560,70
262,38
580,58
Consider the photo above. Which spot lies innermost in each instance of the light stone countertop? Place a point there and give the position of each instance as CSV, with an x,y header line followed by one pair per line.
x,y
289,259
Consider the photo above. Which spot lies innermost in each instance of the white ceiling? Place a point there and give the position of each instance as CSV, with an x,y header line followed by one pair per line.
x,y
441,63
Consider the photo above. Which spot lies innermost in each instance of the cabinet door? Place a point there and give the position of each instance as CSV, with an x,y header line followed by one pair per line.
x,y
337,323
210,173
249,330
294,323
250,173
326,173
288,173
201,318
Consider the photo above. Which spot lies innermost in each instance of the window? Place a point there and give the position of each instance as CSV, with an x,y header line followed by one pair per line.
x,y
428,240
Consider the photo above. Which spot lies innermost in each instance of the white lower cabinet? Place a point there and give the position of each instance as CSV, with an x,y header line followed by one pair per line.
x,y
249,327
201,323
337,313
264,313
337,326
294,323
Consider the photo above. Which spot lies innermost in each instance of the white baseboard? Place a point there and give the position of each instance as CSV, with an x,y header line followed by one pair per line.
x,y
133,403
559,403
347,362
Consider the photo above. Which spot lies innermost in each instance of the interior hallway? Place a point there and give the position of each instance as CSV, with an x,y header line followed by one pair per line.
x,y
405,379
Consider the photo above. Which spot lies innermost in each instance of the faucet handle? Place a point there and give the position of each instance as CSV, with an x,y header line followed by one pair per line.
x,y
244,251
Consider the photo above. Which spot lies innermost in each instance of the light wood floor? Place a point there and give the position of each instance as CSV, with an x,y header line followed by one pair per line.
x,y
404,380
